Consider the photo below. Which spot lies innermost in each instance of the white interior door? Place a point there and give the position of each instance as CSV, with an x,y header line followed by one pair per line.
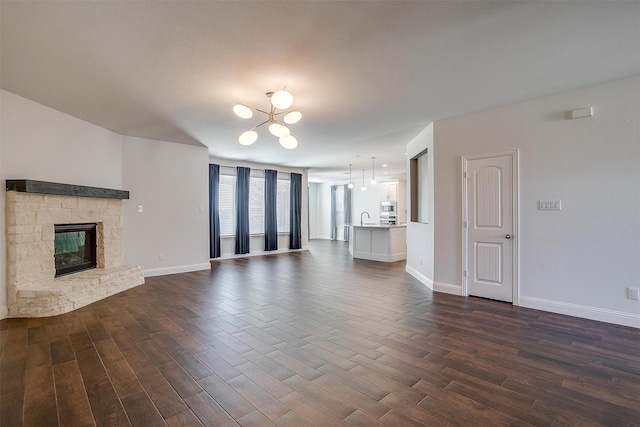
x,y
490,227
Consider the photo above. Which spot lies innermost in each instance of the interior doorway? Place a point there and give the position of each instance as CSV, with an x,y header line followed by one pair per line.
x,y
490,226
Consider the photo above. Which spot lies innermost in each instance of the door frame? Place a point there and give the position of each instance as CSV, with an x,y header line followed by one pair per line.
x,y
515,280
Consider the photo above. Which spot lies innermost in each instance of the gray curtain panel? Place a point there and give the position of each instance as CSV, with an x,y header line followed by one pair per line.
x,y
347,212
295,212
242,210
270,210
214,211
334,232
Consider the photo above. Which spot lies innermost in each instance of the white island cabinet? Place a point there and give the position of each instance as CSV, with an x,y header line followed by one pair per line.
x,y
387,243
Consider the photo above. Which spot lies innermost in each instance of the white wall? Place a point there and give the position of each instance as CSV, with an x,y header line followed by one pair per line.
x,y
579,260
314,211
420,256
171,182
256,243
43,144
323,211
365,201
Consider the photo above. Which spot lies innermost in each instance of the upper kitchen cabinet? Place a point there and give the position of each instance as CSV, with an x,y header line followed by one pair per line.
x,y
395,191
388,190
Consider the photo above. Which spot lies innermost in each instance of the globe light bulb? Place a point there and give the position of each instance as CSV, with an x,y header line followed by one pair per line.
x,y
288,142
279,130
248,137
282,99
292,117
242,111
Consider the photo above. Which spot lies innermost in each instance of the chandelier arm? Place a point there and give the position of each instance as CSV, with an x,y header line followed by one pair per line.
x,y
262,111
257,126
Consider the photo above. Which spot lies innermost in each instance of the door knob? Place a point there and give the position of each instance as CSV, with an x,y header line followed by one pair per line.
x,y
508,236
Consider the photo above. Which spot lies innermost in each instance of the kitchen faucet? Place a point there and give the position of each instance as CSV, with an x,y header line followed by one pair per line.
x,y
368,216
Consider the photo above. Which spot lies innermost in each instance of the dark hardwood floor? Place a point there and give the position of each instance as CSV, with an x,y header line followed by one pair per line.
x,y
313,338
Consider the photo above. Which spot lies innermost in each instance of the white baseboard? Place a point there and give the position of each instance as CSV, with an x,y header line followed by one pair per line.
x,y
176,269
447,288
259,253
320,237
421,277
585,312
4,312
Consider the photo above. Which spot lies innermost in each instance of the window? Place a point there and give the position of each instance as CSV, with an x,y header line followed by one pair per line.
x,y
256,205
282,205
227,205
340,206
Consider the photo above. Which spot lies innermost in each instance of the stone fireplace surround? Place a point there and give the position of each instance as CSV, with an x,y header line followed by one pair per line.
x,y
33,208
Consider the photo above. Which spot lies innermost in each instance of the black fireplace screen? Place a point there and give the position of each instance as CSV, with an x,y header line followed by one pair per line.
x,y
75,248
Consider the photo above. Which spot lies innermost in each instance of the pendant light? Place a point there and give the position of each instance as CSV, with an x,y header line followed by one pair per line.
x,y
373,172
363,187
350,182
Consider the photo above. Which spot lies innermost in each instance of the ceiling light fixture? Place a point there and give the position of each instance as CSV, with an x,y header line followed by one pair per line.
x,y
350,182
373,172
363,187
280,100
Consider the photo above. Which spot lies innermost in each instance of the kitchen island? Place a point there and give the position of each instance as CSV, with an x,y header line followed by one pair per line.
x,y
386,243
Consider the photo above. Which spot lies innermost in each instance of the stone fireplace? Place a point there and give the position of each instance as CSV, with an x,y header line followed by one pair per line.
x,y
34,208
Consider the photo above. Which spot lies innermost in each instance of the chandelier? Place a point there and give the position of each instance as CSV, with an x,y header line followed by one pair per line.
x,y
280,100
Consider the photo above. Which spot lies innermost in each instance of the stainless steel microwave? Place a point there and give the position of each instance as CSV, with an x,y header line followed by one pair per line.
x,y
389,208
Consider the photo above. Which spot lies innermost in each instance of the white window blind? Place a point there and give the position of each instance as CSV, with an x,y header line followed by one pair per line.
x,y
340,206
282,205
227,205
256,205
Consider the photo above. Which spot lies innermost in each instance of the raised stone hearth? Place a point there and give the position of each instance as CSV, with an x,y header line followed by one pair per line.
x,y
33,291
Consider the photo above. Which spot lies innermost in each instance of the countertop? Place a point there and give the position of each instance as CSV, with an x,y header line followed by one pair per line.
x,y
379,226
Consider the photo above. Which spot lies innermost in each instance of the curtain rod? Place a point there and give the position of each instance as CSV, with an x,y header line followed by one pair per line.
x,y
253,169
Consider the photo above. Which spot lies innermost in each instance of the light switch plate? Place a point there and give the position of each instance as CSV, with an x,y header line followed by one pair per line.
x,y
549,205
582,113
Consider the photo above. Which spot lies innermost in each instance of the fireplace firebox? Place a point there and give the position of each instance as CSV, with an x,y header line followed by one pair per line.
x,y
75,248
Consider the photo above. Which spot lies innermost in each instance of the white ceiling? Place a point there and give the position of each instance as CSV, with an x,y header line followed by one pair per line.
x,y
367,76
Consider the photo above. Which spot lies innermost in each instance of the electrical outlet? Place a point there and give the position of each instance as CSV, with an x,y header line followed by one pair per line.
x,y
549,205
633,293
161,257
